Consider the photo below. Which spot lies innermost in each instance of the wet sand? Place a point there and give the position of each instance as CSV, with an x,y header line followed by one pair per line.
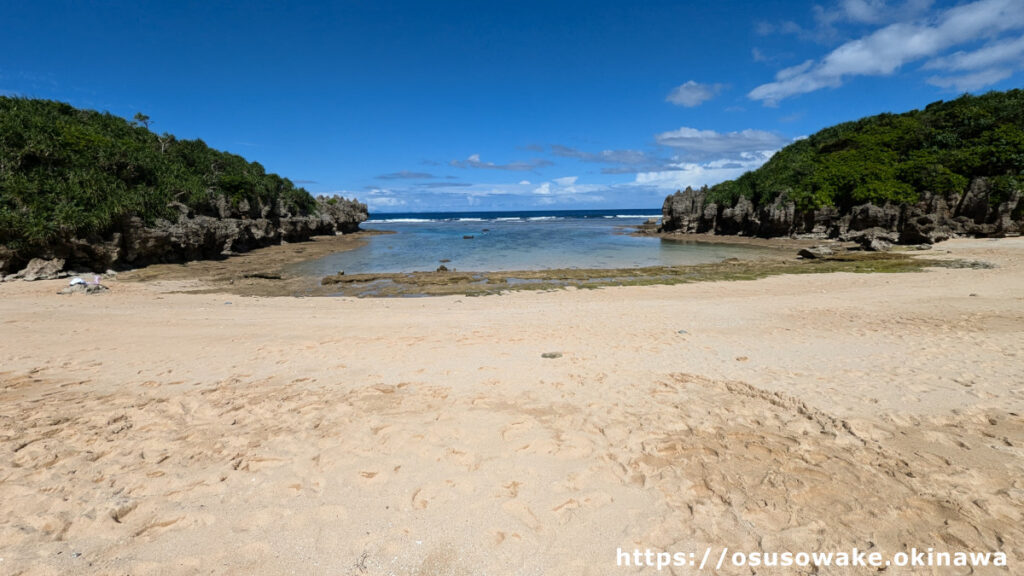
x,y
256,273
147,431
273,272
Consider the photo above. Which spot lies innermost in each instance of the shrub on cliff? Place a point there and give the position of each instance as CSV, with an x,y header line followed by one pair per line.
x,y
895,157
66,172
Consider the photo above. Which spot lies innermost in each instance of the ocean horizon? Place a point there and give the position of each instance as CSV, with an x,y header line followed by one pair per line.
x,y
513,215
497,241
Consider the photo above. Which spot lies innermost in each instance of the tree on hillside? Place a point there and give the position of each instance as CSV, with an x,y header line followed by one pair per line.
x,y
66,172
895,158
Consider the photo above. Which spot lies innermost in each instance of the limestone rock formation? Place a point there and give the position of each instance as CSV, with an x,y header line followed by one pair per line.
x,y
41,269
192,236
975,212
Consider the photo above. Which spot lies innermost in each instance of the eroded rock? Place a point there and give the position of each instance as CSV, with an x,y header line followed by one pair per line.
x,y
84,289
974,212
815,252
217,231
41,269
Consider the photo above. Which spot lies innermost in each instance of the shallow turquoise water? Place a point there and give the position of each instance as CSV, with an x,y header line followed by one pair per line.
x,y
544,242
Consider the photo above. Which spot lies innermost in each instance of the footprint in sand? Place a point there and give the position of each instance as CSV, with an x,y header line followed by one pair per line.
x,y
421,498
520,511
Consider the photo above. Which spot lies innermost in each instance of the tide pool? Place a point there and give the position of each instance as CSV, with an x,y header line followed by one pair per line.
x,y
503,241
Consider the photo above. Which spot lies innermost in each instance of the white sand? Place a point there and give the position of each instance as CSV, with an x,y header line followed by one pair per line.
x,y
147,432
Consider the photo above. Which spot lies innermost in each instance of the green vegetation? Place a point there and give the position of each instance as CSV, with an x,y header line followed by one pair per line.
x,y
895,157
66,172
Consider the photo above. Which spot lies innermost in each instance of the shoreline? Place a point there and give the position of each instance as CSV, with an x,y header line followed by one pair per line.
x,y
468,283
261,272
153,432
780,242
257,272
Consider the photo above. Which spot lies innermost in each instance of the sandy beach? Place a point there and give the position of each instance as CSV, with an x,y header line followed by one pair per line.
x,y
145,431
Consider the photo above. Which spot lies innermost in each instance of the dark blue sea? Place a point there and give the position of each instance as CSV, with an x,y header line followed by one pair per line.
x,y
524,240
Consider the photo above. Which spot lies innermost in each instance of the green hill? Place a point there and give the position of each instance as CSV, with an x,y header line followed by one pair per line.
x,y
889,159
69,174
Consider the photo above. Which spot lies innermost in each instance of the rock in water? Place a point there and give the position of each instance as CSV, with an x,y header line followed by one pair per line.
x,y
815,252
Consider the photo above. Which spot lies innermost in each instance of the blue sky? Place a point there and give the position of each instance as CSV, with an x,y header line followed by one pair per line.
x,y
451,105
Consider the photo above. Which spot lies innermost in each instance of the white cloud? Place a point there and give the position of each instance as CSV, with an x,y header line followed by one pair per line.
x,y
693,93
474,161
406,175
884,51
609,156
863,10
378,198
793,71
384,202
704,144
856,12
566,188
701,174
623,161
874,11
785,27
574,199
973,81
994,54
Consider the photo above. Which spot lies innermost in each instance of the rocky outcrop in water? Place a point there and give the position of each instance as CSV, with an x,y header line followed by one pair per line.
x,y
222,231
815,252
975,212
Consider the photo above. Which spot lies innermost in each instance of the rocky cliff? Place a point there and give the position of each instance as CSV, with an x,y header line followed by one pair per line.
x,y
87,190
953,168
975,212
220,231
